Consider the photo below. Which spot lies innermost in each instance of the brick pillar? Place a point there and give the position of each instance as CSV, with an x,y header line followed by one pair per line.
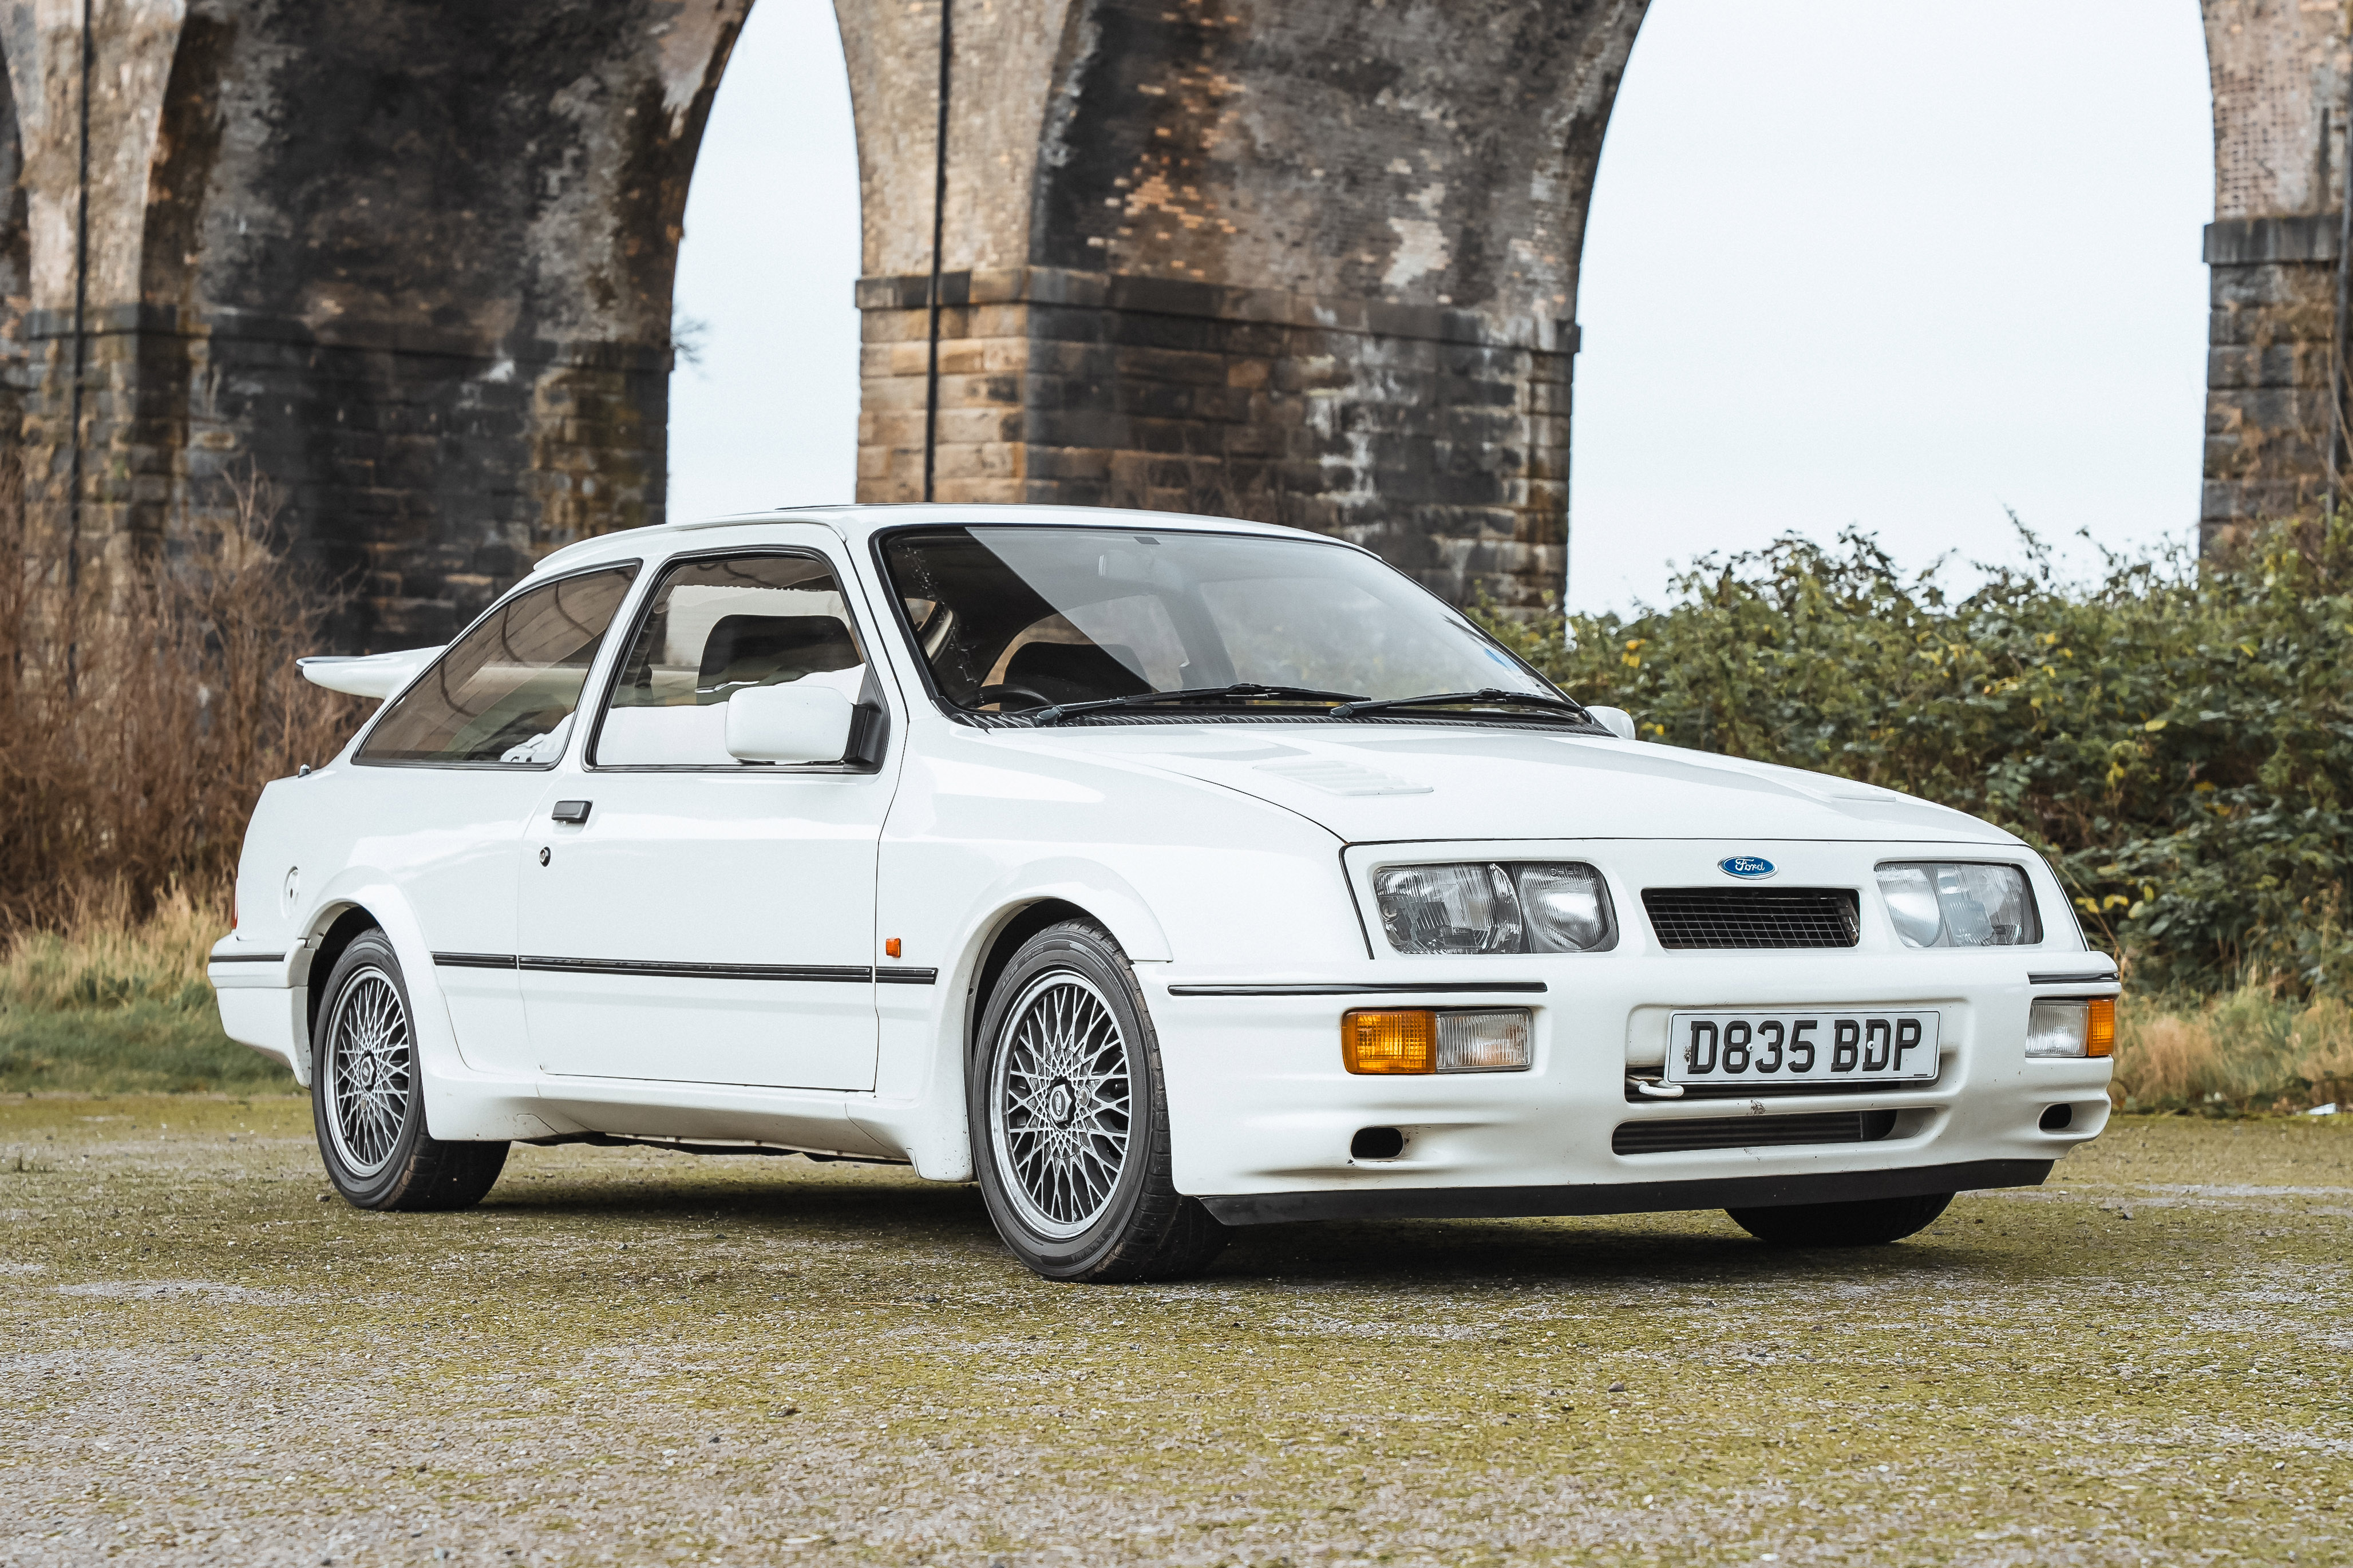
x,y
1422,432
2279,73
1309,261
2274,289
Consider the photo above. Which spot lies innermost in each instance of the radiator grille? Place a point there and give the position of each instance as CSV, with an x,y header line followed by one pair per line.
x,y
1752,917
1685,1133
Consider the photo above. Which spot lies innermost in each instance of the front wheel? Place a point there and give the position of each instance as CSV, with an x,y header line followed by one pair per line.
x,y
1873,1222
1070,1119
367,1102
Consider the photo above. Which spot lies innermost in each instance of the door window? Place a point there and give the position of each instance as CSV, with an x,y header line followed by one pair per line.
x,y
504,694
716,627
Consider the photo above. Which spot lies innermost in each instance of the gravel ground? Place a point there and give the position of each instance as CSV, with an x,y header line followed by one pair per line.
x,y
631,1356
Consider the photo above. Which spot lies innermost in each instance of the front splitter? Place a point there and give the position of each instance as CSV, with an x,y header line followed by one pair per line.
x,y
1625,1197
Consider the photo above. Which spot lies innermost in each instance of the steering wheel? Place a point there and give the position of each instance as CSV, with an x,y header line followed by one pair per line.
x,y
997,694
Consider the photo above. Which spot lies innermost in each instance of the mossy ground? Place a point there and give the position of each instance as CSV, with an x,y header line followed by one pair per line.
x,y
628,1356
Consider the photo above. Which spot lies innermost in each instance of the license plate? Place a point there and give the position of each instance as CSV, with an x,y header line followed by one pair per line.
x,y
1812,1045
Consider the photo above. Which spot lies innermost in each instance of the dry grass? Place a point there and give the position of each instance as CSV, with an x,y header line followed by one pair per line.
x,y
2254,1049
103,954
147,690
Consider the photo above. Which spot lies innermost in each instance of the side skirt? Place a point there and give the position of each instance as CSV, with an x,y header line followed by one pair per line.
x,y
1625,1197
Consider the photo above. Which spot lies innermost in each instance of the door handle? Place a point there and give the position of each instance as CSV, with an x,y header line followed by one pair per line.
x,y
573,811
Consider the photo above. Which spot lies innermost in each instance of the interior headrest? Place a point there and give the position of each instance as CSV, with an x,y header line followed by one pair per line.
x,y
759,650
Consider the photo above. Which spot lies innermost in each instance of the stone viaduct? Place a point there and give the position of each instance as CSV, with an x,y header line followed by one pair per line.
x,y
1309,260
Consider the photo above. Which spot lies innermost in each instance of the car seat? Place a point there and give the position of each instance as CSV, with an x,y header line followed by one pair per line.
x,y
767,650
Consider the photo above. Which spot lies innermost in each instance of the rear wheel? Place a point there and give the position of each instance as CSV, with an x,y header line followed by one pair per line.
x,y
1070,1119
367,1102
1873,1222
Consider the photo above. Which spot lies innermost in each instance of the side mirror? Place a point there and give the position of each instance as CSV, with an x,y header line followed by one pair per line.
x,y
802,722
1616,721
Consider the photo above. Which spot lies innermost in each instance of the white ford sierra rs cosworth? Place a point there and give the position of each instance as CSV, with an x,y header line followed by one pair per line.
x,y
1163,874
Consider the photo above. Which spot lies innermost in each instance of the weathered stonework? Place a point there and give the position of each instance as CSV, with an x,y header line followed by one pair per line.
x,y
1417,432
2280,74
1310,261
411,259
1314,261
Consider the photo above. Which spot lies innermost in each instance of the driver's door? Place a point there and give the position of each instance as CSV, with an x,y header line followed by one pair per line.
x,y
687,917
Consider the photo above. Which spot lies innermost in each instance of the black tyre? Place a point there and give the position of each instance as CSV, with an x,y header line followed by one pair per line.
x,y
367,1104
1873,1222
1070,1119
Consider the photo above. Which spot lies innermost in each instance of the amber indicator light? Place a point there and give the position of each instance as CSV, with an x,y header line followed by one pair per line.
x,y
1374,1042
890,947
2100,1028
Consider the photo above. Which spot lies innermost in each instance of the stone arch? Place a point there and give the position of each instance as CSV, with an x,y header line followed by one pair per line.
x,y
1310,260
412,260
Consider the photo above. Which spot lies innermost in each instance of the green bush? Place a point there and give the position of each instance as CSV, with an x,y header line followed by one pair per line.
x,y
2178,740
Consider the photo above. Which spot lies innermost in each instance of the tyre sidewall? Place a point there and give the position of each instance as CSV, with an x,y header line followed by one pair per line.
x,y
386,1186
1093,958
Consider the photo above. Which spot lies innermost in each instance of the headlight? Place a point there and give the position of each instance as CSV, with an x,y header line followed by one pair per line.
x,y
1486,907
1943,903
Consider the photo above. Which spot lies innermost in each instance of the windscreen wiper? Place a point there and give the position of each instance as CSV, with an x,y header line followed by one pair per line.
x,y
1560,705
1242,690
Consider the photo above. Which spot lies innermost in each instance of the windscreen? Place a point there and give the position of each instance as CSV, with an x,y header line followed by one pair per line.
x,y
1015,617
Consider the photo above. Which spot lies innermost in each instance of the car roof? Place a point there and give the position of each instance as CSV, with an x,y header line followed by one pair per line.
x,y
856,523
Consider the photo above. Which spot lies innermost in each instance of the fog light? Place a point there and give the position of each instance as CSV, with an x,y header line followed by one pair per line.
x,y
1390,1042
1494,1041
1497,1039
2060,1028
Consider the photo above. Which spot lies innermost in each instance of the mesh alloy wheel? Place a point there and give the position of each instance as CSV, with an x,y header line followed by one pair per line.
x,y
1061,1104
1069,1118
369,1094
369,1071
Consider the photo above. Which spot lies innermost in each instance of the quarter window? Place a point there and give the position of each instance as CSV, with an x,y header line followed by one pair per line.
x,y
504,693
714,628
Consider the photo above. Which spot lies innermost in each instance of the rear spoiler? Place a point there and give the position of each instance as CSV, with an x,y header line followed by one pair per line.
x,y
377,675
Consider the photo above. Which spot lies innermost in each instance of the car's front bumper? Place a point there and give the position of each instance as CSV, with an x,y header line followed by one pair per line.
x,y
1263,1114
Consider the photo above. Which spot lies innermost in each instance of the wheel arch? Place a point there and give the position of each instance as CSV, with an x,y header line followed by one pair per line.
x,y
1016,926
929,1123
337,927
360,899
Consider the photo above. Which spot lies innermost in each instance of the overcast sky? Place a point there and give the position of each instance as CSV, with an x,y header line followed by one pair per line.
x,y
1896,263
